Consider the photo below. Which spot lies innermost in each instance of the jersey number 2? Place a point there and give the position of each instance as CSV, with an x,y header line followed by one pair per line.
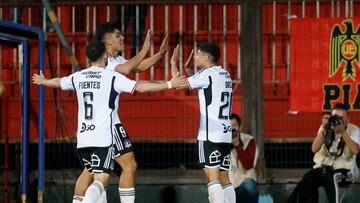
x,y
225,97
88,98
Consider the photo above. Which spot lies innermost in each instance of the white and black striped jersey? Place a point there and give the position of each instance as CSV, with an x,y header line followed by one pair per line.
x,y
96,90
214,86
112,63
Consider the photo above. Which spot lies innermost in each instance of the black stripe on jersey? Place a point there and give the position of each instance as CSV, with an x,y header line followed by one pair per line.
x,y
72,82
113,95
208,100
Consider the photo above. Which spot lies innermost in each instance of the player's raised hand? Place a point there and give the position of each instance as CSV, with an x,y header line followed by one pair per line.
x,y
175,56
146,45
174,60
177,80
38,79
164,45
190,60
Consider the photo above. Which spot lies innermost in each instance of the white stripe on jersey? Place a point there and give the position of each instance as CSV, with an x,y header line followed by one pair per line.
x,y
201,152
108,158
118,142
214,86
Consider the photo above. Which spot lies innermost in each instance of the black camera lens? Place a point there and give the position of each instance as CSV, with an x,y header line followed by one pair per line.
x,y
234,133
334,120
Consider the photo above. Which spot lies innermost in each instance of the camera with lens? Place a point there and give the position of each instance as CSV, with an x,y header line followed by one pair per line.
x,y
234,133
330,133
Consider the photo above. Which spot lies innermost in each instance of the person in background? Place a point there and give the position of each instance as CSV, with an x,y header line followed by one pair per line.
x,y
335,146
243,159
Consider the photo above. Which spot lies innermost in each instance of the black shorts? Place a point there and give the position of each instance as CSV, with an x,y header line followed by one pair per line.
x,y
97,159
214,155
122,143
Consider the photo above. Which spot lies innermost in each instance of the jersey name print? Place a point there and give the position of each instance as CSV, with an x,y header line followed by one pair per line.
x,y
214,86
96,90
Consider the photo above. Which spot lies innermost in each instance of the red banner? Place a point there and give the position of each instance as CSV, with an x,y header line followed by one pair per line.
x,y
325,56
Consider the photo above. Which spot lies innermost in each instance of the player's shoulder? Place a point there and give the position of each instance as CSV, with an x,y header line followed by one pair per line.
x,y
120,58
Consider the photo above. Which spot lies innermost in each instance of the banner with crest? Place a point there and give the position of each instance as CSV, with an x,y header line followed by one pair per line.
x,y
325,63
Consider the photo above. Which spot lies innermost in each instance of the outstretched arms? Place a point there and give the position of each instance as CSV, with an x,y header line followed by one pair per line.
x,y
139,63
152,60
175,82
131,64
41,80
174,68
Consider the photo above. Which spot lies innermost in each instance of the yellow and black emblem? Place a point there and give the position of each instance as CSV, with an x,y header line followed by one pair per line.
x,y
344,49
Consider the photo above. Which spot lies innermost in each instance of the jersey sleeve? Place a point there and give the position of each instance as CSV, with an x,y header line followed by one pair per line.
x,y
67,83
112,62
198,80
124,84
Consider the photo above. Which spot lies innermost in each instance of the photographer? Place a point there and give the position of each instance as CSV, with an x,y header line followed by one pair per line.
x,y
335,146
243,157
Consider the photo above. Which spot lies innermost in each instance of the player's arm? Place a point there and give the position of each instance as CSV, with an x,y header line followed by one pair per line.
x,y
131,64
189,64
41,80
174,68
175,82
174,61
152,60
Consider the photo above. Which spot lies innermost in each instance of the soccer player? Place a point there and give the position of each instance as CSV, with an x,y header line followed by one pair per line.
x,y
113,40
214,87
97,91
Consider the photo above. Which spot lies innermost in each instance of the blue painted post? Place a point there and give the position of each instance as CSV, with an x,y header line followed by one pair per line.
x,y
25,117
41,146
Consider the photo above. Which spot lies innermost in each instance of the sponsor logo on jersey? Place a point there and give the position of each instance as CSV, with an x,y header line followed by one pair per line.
x,y
85,127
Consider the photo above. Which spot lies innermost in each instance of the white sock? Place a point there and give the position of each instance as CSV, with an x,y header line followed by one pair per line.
x,y
77,199
93,192
127,195
102,198
216,193
229,192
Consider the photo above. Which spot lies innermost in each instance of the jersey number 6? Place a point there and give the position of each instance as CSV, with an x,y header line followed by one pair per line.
x,y
88,98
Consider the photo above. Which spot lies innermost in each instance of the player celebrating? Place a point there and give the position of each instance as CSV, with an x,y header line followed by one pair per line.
x,y
214,87
96,90
111,36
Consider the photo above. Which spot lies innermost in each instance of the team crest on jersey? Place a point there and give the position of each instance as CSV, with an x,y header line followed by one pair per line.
x,y
226,161
95,160
214,157
344,49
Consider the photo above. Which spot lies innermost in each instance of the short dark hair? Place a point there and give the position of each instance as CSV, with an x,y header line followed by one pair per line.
x,y
108,27
341,106
94,50
236,117
210,48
